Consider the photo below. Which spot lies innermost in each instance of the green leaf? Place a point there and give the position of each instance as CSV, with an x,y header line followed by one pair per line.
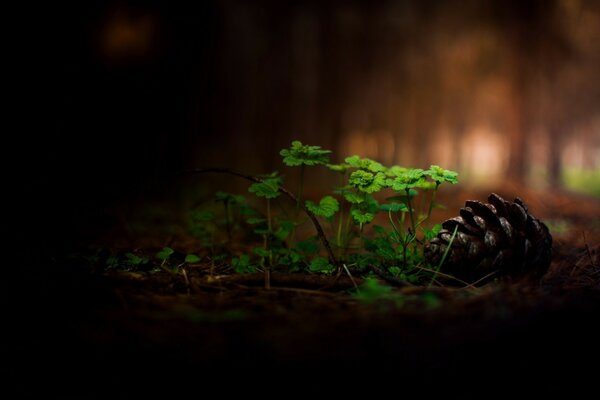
x,y
353,198
285,228
395,171
165,253
322,265
393,207
409,179
191,258
308,246
242,264
439,175
431,233
135,260
268,188
361,217
300,154
341,168
289,257
364,164
261,251
327,207
367,182
370,204
426,185
112,261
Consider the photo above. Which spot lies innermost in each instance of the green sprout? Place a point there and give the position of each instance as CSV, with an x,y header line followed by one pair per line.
x,y
366,188
303,155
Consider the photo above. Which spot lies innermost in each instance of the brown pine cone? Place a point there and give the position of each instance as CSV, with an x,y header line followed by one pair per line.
x,y
496,239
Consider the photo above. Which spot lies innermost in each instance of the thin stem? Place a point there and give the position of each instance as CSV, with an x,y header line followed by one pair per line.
x,y
437,185
444,255
341,216
410,210
300,190
393,224
347,234
227,222
283,190
298,201
351,278
339,230
268,246
266,269
269,215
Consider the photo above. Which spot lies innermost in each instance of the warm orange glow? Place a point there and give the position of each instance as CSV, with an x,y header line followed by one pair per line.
x,y
127,36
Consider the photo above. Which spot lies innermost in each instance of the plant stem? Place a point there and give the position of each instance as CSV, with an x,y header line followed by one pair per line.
x,y
444,255
283,190
227,222
268,246
300,190
341,216
298,201
265,267
339,230
432,200
410,211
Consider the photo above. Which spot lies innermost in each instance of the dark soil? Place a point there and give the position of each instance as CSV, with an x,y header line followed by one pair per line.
x,y
78,331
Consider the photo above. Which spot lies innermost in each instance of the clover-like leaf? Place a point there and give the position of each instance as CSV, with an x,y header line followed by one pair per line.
x,y
439,175
361,217
366,181
395,171
299,154
268,188
322,265
165,253
261,251
135,260
409,179
364,164
327,207
353,198
242,264
285,228
191,258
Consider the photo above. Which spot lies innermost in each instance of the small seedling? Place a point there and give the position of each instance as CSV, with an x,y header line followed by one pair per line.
x,y
366,189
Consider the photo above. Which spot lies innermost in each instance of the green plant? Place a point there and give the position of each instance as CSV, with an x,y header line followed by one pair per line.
x,y
367,188
300,155
165,256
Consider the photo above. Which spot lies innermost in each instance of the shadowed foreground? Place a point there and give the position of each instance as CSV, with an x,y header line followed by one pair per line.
x,y
83,332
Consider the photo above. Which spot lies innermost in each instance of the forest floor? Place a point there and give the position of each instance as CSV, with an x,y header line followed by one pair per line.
x,y
83,332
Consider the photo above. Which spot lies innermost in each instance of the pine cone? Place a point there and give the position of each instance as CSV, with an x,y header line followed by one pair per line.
x,y
496,239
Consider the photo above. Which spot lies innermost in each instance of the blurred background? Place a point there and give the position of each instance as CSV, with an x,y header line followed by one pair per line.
x,y
134,91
